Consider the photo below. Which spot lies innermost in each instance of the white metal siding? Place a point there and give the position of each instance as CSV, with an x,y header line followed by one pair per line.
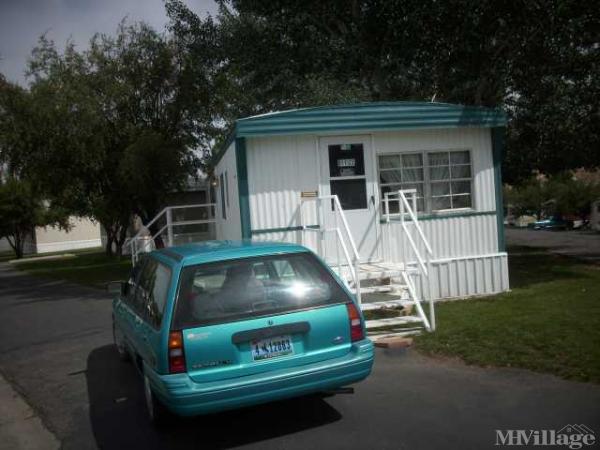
x,y
279,170
448,237
469,276
306,238
230,228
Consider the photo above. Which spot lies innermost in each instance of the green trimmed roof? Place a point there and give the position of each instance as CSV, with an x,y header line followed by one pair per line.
x,y
366,117
369,116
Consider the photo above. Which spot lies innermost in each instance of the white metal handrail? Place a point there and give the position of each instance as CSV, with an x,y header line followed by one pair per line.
x,y
167,213
338,208
404,208
413,294
353,258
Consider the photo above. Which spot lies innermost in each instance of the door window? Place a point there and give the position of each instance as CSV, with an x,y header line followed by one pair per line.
x,y
346,160
352,193
347,175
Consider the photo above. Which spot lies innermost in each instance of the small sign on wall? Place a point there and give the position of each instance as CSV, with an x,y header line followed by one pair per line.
x,y
308,194
350,162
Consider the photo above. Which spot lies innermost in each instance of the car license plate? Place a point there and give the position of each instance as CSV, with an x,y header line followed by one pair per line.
x,y
272,347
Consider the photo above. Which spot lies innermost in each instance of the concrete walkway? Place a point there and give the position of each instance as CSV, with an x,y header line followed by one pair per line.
x,y
20,427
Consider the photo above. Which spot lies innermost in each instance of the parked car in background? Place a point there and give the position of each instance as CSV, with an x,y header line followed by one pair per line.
x,y
222,325
520,221
552,223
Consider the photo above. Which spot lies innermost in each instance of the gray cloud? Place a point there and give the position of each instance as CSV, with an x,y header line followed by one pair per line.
x,y
23,21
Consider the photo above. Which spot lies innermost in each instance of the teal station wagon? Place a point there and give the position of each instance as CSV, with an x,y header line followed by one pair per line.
x,y
222,325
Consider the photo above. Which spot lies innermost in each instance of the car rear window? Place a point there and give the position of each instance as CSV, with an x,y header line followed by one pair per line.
x,y
252,287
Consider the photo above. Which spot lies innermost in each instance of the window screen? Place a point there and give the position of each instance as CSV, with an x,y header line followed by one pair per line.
x,y
443,180
450,178
398,172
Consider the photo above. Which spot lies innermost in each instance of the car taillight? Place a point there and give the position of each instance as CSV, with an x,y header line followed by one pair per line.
x,y
176,356
356,328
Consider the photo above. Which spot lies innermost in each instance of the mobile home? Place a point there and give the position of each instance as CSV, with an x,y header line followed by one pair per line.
x,y
376,189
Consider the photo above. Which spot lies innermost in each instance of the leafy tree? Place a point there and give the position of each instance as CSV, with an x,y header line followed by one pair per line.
x,y
530,197
538,60
574,196
151,167
21,211
567,193
124,125
22,203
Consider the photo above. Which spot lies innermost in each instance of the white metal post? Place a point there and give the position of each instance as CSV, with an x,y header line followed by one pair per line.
x,y
301,231
321,224
134,251
170,227
337,244
429,293
357,280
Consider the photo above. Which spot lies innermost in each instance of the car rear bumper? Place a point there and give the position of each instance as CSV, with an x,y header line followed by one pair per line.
x,y
180,394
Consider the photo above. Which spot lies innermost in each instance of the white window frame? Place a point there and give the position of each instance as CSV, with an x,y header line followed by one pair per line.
x,y
427,197
222,196
423,167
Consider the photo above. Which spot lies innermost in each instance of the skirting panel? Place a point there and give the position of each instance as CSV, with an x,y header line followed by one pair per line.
x,y
468,276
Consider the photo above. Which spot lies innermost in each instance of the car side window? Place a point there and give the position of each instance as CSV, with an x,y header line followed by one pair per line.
x,y
158,288
142,291
132,282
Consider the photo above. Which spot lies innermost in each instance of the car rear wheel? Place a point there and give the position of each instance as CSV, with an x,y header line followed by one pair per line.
x,y
157,412
120,343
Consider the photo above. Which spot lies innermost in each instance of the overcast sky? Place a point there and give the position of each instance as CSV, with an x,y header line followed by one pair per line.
x,y
23,21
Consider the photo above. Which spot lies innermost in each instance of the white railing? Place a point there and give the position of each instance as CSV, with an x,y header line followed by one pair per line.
x,y
343,238
143,241
423,263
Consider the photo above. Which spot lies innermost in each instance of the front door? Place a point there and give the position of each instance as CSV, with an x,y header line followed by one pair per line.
x,y
347,171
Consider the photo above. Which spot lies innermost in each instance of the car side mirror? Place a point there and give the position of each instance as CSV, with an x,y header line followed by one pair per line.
x,y
116,287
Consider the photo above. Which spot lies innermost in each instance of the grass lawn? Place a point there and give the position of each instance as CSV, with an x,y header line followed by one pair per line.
x,y
7,255
549,322
91,267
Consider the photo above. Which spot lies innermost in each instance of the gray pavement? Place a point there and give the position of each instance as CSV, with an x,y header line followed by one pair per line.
x,y
580,244
55,346
20,427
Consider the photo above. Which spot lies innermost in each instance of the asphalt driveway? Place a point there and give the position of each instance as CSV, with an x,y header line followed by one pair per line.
x,y
55,348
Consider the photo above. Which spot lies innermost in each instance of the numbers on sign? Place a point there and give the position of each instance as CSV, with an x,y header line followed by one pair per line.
x,y
270,348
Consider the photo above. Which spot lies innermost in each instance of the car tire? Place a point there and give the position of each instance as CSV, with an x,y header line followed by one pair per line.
x,y
119,342
158,414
